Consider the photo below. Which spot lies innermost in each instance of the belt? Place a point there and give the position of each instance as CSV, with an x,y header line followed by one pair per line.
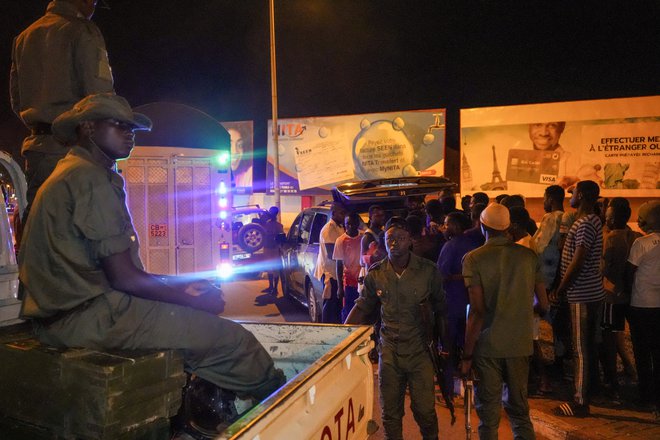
x,y
40,128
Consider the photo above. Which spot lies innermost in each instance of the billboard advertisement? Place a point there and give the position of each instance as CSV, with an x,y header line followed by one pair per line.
x,y
316,153
241,134
521,149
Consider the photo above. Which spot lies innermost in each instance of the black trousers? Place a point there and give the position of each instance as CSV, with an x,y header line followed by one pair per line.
x,y
644,332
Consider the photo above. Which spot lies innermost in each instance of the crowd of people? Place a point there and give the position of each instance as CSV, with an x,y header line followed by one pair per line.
x,y
486,272
581,274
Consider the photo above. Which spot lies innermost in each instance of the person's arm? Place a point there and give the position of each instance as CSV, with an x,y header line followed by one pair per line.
x,y
338,256
330,249
573,270
475,323
14,93
439,299
613,273
357,316
631,265
542,303
327,241
629,276
126,277
340,280
365,304
364,243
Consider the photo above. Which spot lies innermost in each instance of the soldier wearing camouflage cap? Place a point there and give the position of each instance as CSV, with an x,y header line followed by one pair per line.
x,y
83,281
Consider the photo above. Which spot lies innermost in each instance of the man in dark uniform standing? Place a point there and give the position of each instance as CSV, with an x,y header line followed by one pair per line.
x,y
84,283
56,61
397,286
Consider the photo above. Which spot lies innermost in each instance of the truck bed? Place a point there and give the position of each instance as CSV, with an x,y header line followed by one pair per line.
x,y
329,389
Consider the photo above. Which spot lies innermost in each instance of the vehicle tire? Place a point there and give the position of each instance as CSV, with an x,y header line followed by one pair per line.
x,y
251,237
313,306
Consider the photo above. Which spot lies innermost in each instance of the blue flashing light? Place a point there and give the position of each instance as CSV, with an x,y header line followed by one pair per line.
x,y
224,270
223,215
222,202
222,188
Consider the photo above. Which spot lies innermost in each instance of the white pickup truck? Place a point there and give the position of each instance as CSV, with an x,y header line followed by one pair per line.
x,y
329,393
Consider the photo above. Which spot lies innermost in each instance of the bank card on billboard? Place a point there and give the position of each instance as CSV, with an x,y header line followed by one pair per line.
x,y
532,166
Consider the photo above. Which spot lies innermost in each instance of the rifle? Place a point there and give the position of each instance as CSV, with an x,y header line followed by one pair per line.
x,y
436,359
469,391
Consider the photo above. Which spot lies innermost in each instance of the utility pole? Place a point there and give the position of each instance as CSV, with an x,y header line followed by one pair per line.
x,y
273,86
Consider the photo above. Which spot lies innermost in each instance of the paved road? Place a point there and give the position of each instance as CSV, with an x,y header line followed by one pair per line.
x,y
246,302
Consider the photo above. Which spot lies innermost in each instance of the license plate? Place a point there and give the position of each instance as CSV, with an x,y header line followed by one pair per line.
x,y
240,256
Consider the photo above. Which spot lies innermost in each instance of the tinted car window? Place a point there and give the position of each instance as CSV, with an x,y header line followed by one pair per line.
x,y
306,226
319,221
294,230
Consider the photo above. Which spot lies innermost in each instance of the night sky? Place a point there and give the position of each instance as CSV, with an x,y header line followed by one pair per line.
x,y
362,56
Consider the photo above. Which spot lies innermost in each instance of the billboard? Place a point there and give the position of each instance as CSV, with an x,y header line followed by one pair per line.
x,y
241,134
521,149
316,153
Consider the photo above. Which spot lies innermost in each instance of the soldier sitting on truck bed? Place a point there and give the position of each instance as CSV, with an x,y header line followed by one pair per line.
x,y
83,280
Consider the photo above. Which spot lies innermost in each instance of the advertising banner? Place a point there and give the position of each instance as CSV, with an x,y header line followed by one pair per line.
x,y
316,153
521,149
241,134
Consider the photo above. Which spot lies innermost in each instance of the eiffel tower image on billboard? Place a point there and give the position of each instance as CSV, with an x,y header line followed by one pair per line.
x,y
496,183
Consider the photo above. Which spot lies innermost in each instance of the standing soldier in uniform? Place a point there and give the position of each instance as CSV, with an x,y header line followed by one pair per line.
x,y
396,286
57,61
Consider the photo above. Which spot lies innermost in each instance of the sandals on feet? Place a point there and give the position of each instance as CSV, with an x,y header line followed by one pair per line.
x,y
571,410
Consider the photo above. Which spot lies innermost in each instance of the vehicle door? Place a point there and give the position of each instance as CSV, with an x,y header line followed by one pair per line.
x,y
310,255
288,251
297,242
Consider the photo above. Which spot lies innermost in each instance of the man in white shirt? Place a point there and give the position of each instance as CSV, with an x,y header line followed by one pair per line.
x,y
326,267
644,270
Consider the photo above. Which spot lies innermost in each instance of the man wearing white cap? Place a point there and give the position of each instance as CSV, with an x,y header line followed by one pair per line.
x,y
500,277
83,281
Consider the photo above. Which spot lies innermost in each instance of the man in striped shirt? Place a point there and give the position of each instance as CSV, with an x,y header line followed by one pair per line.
x,y
582,285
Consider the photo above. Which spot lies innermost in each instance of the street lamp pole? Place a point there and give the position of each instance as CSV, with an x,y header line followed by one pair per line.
x,y
273,85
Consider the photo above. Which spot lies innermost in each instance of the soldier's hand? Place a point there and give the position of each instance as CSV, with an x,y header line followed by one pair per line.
x,y
201,287
465,367
212,302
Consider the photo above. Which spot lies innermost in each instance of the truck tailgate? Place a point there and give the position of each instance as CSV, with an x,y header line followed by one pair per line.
x,y
329,389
